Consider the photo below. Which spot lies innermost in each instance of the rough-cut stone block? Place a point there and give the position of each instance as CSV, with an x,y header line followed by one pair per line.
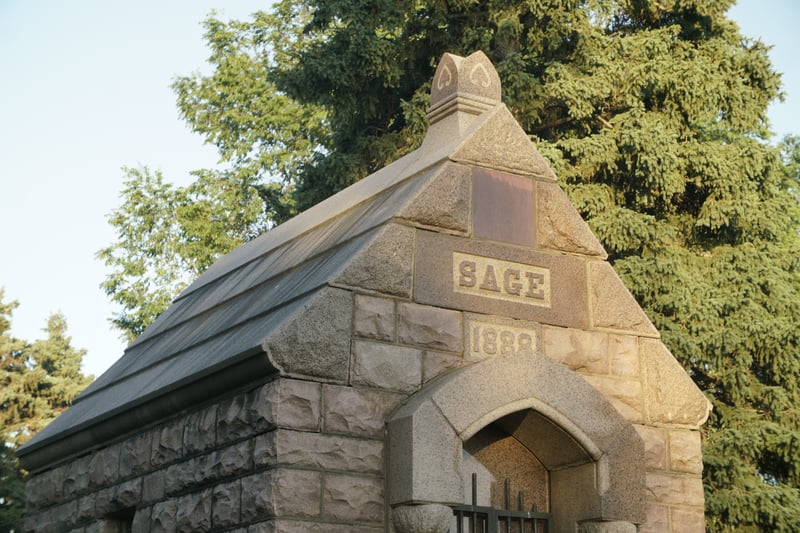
x,y
181,476
374,318
128,493
688,520
685,451
430,327
153,486
199,433
612,304
256,497
141,521
296,492
356,411
385,264
194,512
104,467
607,527
444,202
585,351
134,455
104,502
264,453
625,395
67,514
386,366
42,489
502,207
288,403
500,143
76,476
317,341
227,462
670,394
328,452
657,520
432,518
352,498
623,350
298,526
86,507
436,363
674,489
168,443
560,226
163,516
233,418
226,504
655,446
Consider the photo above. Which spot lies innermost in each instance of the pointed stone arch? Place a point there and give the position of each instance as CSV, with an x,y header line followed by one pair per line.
x,y
595,457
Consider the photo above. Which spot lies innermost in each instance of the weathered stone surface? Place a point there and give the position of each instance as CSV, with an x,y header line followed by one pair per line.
x,y
134,456
317,341
688,520
607,527
153,486
86,507
428,518
385,265
181,476
655,446
103,467
430,327
356,411
374,318
288,403
256,495
226,505
141,521
163,516
128,493
657,519
502,207
444,202
328,452
264,452
473,76
685,451
624,394
560,226
671,397
194,512
227,462
167,443
199,433
436,363
280,492
352,498
674,489
613,306
297,526
104,502
583,351
623,350
44,489
76,476
234,418
386,366
67,514
501,144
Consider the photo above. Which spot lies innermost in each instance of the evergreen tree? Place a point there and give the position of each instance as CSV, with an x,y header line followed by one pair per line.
x,y
38,381
653,115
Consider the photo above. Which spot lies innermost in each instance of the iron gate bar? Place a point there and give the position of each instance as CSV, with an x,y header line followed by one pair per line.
x,y
482,519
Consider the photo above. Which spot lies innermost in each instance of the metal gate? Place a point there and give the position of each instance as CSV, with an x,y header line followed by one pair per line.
x,y
478,519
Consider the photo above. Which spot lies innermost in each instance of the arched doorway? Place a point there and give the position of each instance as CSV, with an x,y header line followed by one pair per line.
x,y
593,458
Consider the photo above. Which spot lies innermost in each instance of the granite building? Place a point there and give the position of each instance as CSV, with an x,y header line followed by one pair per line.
x,y
443,338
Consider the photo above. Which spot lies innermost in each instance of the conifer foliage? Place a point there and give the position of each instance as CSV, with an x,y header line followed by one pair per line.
x,y
653,115
38,381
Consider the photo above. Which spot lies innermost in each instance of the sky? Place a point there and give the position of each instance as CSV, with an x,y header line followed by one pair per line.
x,y
85,91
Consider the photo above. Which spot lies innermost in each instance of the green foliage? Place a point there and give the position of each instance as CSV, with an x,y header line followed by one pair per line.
x,y
653,115
38,381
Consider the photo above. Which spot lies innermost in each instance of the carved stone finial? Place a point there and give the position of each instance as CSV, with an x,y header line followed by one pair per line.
x,y
463,84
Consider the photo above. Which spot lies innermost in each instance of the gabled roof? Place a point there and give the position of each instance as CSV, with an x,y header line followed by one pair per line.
x,y
282,303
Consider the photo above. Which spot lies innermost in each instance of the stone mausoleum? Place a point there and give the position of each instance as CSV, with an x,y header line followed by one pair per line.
x,y
440,346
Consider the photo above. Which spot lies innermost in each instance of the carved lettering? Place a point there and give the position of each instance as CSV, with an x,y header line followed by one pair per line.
x,y
488,339
501,280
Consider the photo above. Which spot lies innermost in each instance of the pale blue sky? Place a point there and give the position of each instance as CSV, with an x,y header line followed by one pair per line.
x,y
85,91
